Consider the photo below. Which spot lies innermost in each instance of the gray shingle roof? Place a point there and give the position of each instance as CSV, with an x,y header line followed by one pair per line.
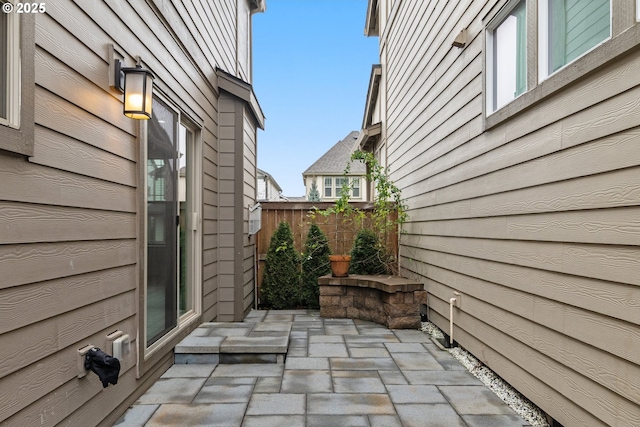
x,y
335,160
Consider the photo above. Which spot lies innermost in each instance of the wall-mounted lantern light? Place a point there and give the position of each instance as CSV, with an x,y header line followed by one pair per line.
x,y
137,85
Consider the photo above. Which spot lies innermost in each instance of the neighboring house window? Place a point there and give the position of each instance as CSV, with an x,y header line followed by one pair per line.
x,y
328,187
507,56
339,183
16,81
355,188
568,29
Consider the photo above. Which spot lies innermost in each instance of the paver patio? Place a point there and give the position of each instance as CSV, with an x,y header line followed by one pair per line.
x,y
337,372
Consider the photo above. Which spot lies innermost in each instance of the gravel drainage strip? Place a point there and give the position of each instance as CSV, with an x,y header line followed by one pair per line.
x,y
523,406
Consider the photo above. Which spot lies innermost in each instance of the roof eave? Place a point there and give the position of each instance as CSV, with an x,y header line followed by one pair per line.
x,y
258,6
371,24
372,94
243,90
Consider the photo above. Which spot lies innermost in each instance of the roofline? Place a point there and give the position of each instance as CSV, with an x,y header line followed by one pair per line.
x,y
371,23
258,6
369,136
268,175
243,90
372,94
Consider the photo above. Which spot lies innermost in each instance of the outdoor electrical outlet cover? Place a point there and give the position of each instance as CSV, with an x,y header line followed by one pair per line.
x,y
121,347
110,339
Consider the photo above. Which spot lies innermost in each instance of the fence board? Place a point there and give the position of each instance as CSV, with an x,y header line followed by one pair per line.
x,y
339,234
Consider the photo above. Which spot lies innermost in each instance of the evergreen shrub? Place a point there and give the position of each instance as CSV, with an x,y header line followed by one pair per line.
x,y
367,255
281,281
315,263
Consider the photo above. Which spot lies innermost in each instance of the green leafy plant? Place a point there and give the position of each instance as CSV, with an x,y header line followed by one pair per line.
x,y
281,281
389,212
315,263
367,256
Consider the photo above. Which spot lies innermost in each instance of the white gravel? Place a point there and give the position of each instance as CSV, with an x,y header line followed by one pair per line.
x,y
523,406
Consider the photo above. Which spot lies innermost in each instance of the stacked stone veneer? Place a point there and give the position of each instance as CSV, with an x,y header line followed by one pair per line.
x,y
388,300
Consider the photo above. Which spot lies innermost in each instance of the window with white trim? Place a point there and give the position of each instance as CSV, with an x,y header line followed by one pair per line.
x,y
568,29
9,69
507,56
328,187
355,188
340,181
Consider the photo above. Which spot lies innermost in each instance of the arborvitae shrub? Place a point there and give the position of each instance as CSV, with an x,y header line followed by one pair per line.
x,y
315,263
281,281
367,257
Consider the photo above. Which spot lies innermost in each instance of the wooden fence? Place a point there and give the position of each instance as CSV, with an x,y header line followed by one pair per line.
x,y
339,233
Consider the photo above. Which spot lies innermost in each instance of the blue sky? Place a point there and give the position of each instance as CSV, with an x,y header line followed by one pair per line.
x,y
311,67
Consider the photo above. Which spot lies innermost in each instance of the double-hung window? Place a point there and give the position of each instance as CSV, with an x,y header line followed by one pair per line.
x,y
568,29
328,187
340,182
507,56
355,188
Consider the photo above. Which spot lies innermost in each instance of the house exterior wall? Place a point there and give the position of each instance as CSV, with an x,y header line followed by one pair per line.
x,y
71,240
248,243
319,179
267,189
530,213
237,193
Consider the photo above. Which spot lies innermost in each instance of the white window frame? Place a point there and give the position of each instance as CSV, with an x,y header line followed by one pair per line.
x,y
543,40
338,188
638,10
359,187
13,71
324,186
489,35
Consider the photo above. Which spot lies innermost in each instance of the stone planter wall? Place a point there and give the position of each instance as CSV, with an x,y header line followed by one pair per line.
x,y
388,300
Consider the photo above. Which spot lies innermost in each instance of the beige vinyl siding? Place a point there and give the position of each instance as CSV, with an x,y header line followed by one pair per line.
x,y
250,195
227,202
69,216
535,221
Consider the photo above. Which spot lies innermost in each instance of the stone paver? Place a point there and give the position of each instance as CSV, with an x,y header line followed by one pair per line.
x,y
306,381
172,390
429,415
212,415
357,382
337,421
416,362
474,400
276,404
349,404
415,394
137,416
337,372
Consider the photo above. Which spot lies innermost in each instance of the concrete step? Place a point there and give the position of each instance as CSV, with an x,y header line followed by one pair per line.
x,y
241,342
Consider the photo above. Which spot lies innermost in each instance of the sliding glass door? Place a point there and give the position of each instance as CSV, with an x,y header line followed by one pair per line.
x,y
162,221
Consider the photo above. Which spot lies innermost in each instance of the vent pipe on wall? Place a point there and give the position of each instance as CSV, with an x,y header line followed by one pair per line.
x,y
452,301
